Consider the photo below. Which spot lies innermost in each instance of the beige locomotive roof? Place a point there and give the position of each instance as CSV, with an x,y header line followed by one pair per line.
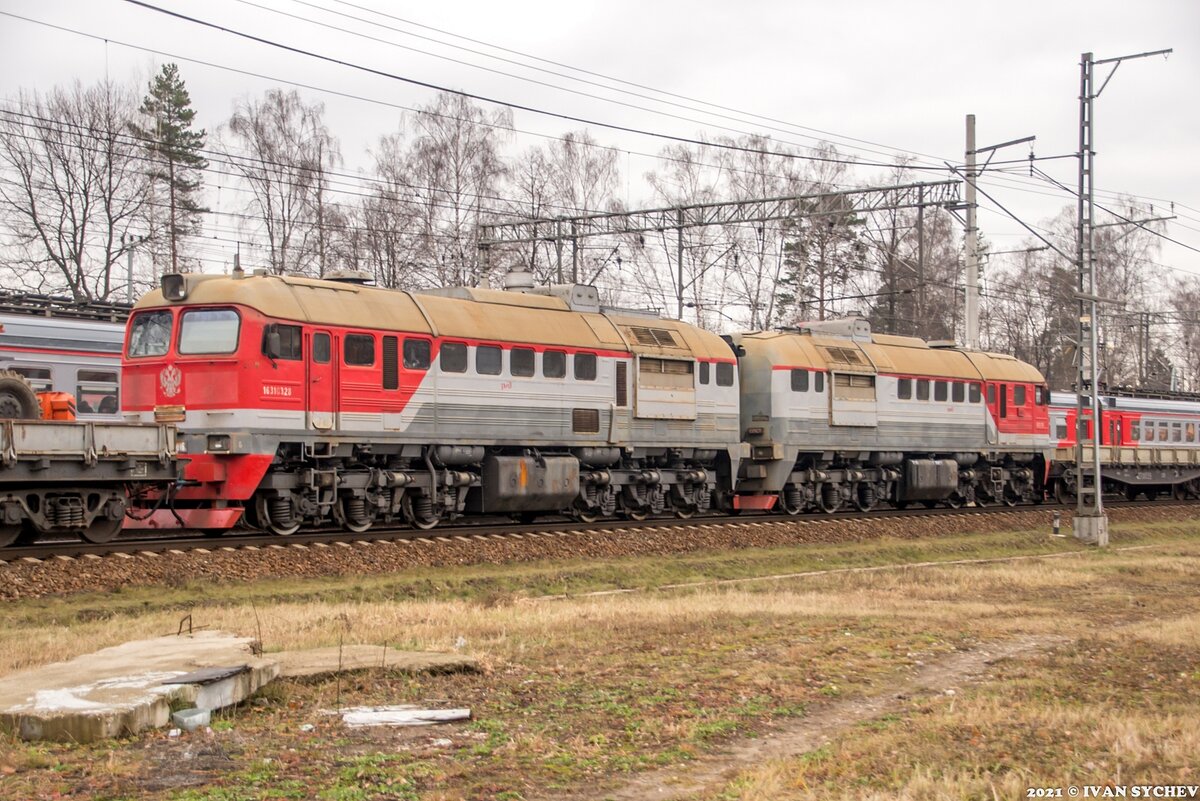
x,y
486,314
1002,367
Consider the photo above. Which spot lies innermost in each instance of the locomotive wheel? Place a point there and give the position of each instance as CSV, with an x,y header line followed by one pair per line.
x,y
955,501
1179,492
422,522
929,504
635,514
1010,499
9,534
789,508
684,512
355,524
18,401
585,515
262,513
102,530
1063,493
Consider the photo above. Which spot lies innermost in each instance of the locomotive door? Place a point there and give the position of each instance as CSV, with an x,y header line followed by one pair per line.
x,y
322,382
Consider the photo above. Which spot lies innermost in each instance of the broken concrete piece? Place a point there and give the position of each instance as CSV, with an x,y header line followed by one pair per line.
x,y
400,716
325,661
191,719
120,691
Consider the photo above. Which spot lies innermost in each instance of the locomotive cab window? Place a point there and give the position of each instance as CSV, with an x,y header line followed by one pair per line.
x,y
991,394
417,354
923,389
799,381
724,374
554,364
454,357
149,334
958,392
1019,395
704,369
488,360
282,342
1060,429
358,350
520,362
585,367
320,348
904,389
208,331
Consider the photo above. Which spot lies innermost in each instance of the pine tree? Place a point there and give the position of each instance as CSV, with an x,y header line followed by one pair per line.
x,y
174,153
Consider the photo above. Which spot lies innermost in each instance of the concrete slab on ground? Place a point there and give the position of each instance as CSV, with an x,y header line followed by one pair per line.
x,y
120,691
326,661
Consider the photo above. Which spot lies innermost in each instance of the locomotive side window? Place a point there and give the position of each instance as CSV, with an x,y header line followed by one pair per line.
x,y
209,331
724,374
290,342
939,391
818,382
974,394
554,364
320,348
585,367
923,389
1019,395
991,393
359,350
904,389
520,362
704,369
1135,430
391,368
1060,429
488,360
417,354
454,357
150,334
799,381
958,392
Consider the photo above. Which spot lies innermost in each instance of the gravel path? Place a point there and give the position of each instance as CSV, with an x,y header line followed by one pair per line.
x,y
25,579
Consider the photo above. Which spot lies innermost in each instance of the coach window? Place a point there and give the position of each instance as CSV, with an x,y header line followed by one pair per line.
x,y
520,362
724,374
454,357
488,360
940,394
904,389
96,391
585,367
38,377
1191,432
320,348
1176,432
290,348
1162,432
1135,430
149,334
818,382
358,350
799,381
417,354
923,389
1019,395
958,392
704,369
554,364
974,394
209,331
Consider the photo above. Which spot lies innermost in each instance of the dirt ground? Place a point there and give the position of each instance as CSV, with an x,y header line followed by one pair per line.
x,y
966,667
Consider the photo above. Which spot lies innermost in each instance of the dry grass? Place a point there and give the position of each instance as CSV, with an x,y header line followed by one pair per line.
x,y
580,691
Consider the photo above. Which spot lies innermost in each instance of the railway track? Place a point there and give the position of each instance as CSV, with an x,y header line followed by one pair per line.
x,y
493,528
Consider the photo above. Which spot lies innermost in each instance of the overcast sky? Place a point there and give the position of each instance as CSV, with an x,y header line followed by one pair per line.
x,y
897,76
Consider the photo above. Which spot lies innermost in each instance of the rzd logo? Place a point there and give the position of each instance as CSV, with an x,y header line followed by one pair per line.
x,y
171,380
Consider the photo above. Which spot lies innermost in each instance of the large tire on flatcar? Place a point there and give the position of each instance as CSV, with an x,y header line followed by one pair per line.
x,y
18,401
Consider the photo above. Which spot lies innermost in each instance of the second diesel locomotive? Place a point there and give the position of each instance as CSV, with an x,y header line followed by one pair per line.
x,y
305,401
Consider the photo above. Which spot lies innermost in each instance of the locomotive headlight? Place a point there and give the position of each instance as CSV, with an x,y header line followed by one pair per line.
x,y
218,443
174,286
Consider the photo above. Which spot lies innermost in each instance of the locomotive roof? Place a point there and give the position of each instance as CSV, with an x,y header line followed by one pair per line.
x,y
469,313
888,353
